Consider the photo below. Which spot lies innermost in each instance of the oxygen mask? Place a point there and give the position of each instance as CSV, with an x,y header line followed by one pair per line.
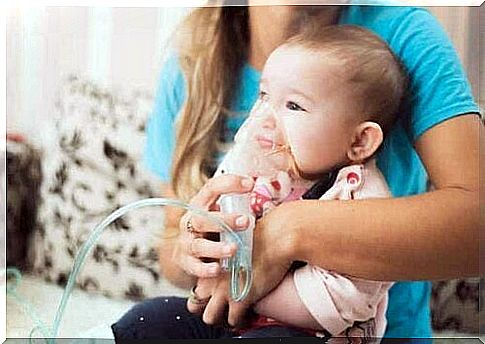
x,y
259,151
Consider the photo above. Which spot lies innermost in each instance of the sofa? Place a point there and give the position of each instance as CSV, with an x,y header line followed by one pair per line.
x,y
86,165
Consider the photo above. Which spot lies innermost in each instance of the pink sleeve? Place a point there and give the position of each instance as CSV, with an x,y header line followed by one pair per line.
x,y
336,301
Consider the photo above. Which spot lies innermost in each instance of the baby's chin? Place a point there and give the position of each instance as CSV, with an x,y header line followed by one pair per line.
x,y
313,176
300,172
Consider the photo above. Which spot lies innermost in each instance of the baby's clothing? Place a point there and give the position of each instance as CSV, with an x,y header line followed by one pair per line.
x,y
337,302
268,192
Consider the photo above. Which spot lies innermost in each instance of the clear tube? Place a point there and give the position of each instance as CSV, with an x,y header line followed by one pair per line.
x,y
240,265
79,260
237,265
39,325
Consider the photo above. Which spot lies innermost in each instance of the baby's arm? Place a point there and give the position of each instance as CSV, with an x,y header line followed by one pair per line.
x,y
335,301
315,298
284,304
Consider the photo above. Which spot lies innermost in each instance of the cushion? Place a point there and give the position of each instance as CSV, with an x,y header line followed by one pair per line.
x,y
92,148
456,306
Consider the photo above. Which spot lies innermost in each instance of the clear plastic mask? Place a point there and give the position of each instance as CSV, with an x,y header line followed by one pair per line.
x,y
259,150
260,147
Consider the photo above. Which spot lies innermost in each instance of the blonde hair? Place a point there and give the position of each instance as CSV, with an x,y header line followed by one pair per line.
x,y
375,75
212,46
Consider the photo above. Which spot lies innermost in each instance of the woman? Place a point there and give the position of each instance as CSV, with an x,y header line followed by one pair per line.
x,y
213,81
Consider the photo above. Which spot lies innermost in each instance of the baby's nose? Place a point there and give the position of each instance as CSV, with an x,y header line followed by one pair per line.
x,y
265,116
268,118
268,121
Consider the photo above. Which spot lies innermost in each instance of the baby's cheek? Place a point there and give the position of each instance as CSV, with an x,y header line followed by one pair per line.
x,y
301,153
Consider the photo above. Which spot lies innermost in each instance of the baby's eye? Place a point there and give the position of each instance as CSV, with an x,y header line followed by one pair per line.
x,y
294,106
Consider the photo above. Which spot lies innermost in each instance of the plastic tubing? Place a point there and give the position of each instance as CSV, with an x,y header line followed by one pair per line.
x,y
240,263
237,265
26,307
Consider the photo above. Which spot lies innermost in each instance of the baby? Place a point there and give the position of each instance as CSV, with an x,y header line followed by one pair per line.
x,y
327,96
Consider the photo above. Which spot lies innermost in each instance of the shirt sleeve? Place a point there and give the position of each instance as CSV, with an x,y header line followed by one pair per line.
x,y
336,301
160,126
439,88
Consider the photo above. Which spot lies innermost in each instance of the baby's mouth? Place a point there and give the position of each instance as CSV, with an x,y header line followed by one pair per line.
x,y
265,143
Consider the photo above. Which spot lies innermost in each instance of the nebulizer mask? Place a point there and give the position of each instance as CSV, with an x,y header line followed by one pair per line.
x,y
260,152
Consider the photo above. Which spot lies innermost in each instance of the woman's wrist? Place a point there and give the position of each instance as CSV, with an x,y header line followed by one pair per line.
x,y
284,232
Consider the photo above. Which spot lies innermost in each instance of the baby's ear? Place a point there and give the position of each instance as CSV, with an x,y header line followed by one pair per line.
x,y
366,139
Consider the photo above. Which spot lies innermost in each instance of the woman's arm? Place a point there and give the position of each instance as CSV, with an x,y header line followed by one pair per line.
x,y
431,236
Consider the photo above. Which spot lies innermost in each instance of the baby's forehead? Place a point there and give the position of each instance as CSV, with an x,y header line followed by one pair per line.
x,y
286,51
290,53
289,59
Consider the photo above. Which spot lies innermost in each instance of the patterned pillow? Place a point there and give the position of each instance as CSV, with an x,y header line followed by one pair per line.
x,y
456,305
91,167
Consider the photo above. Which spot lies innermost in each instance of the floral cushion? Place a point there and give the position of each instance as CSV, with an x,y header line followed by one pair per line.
x,y
456,305
91,167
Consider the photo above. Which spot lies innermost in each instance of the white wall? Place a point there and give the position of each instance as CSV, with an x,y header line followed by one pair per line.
x,y
114,46
123,46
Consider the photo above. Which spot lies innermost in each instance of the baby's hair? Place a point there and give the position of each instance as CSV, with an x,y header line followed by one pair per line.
x,y
377,78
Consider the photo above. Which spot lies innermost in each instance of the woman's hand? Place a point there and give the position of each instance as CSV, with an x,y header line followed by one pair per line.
x,y
272,252
194,251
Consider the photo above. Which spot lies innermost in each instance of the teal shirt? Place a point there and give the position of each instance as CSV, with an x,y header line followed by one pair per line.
x,y
439,91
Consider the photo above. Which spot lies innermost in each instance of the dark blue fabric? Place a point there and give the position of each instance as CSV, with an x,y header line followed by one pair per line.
x,y
168,318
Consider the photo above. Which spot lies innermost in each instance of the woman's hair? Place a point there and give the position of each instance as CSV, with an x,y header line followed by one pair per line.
x,y
212,47
375,76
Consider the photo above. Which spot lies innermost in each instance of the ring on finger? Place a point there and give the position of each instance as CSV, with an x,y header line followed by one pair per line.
x,y
189,227
196,299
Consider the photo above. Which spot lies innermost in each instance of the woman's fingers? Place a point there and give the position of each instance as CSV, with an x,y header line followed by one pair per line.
x,y
194,244
237,314
214,312
195,230
195,308
203,248
224,184
198,268
200,295
202,224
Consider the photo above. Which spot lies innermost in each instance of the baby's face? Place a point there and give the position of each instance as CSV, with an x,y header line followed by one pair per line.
x,y
312,107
